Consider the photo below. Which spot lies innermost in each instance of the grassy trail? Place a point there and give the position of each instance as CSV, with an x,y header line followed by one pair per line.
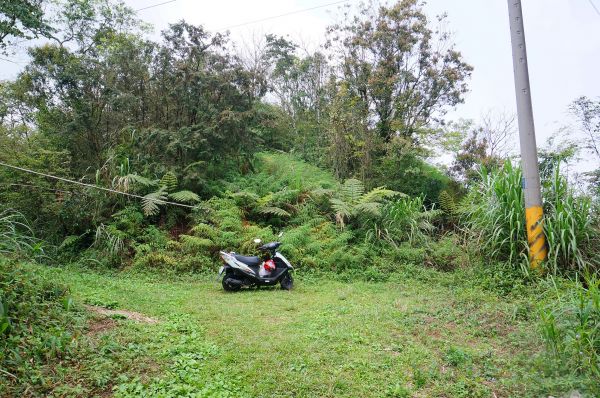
x,y
323,339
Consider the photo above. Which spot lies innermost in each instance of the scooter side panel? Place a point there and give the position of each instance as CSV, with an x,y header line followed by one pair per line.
x,y
285,260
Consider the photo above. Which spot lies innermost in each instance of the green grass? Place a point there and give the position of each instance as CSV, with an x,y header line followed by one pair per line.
x,y
429,337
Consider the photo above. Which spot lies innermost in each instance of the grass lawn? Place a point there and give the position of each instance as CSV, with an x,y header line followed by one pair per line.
x,y
403,338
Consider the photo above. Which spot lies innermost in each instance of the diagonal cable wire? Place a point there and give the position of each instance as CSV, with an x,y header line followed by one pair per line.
x,y
155,5
594,7
11,61
282,15
93,186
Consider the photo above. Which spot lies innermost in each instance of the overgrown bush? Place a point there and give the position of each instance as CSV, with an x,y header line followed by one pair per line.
x,y
37,325
405,219
446,254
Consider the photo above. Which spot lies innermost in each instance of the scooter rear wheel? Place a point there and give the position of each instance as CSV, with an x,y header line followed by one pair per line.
x,y
287,282
228,286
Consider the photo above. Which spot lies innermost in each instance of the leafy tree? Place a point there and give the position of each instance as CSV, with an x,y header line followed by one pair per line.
x,y
351,146
405,73
587,112
403,167
475,153
300,85
21,19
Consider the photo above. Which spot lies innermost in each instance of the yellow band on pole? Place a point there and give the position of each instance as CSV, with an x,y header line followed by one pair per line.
x,y
538,251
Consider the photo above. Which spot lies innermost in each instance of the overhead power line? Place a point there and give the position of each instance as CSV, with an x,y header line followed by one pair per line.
x,y
594,7
283,15
156,5
11,61
93,186
139,9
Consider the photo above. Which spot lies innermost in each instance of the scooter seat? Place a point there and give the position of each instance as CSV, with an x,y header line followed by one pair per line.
x,y
250,261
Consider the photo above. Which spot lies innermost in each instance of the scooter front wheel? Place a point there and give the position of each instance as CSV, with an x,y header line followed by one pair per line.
x,y
287,282
229,285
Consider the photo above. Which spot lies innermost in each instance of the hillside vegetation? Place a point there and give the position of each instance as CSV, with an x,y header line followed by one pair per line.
x,y
127,164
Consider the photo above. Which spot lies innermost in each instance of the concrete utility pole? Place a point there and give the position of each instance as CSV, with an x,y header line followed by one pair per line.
x,y
531,176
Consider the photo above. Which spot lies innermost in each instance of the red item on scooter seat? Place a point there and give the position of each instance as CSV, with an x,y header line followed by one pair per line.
x,y
270,265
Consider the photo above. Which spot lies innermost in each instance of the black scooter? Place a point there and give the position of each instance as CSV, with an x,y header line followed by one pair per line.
x,y
239,271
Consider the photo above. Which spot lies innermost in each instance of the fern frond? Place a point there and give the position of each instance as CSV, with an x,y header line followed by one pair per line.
x,y
275,211
352,190
245,195
123,183
191,165
377,194
265,199
195,244
447,203
340,207
185,197
204,230
169,181
245,199
371,208
151,201
321,192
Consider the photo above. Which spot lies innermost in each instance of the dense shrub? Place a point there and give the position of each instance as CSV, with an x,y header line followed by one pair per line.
x,y
408,173
37,324
446,254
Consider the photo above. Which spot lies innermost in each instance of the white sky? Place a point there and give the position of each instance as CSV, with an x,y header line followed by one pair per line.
x,y
563,43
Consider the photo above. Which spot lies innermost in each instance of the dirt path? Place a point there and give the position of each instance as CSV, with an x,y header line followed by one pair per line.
x,y
135,316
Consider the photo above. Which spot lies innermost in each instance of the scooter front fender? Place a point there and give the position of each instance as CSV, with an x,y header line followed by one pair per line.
x,y
285,260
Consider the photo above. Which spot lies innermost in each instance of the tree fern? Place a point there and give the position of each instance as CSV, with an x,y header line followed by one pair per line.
x,y
352,190
185,197
151,201
276,211
352,201
124,183
447,203
169,181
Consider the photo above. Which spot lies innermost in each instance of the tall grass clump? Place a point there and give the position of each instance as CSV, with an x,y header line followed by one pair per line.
x,y
568,226
494,214
405,220
16,236
570,326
